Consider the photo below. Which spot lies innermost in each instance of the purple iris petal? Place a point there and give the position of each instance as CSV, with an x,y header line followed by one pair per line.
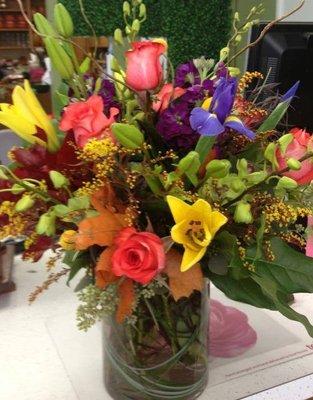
x,y
291,92
237,125
205,123
223,98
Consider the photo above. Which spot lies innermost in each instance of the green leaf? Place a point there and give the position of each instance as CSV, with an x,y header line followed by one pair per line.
x,y
259,239
244,290
127,135
291,270
79,203
270,288
204,146
229,246
275,117
76,261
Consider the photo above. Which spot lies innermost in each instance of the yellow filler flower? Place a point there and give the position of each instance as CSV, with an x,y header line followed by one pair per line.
x,y
25,115
196,226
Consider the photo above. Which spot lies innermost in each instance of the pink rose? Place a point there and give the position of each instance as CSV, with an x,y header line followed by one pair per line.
x,y
298,148
166,94
139,255
87,120
144,69
230,332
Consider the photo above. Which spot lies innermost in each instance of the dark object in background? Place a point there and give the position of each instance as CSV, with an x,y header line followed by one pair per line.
x,y
7,251
287,52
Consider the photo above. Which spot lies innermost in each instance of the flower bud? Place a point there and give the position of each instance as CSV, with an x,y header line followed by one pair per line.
x,y
24,204
190,164
43,25
127,135
234,71
85,65
242,167
224,53
294,164
287,183
128,30
118,37
270,154
126,8
236,16
136,25
237,185
67,240
59,58
142,11
115,65
58,180
256,177
3,175
17,189
238,38
243,213
63,21
46,224
285,141
218,168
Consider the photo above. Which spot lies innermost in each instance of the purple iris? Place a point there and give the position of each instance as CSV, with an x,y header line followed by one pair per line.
x,y
218,117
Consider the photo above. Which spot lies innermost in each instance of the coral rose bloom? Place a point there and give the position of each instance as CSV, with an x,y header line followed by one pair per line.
x,y
164,97
144,69
298,148
139,255
87,120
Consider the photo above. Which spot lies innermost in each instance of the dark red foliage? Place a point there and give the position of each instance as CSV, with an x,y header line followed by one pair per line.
x,y
36,163
6,196
37,249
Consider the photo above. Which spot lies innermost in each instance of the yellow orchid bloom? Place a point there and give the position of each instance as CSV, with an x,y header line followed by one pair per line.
x,y
26,115
196,226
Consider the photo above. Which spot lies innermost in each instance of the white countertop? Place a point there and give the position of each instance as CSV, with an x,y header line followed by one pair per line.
x,y
31,366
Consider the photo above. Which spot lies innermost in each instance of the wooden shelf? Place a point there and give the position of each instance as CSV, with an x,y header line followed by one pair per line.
x,y
9,10
14,47
13,29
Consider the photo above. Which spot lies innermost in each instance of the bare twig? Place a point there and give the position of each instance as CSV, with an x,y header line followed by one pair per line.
x,y
266,29
87,20
52,278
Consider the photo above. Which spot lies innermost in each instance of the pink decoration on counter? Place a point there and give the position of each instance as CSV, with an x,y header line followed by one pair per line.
x,y
230,332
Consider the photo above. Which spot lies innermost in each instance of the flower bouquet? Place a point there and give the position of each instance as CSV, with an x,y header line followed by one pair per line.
x,y
149,183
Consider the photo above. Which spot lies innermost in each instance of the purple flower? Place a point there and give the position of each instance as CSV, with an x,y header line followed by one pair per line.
x,y
187,75
174,123
107,92
214,121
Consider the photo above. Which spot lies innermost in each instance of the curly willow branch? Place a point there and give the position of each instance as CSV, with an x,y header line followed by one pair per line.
x,y
87,20
266,29
95,61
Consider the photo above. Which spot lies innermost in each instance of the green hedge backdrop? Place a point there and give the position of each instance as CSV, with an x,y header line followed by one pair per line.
x,y
192,27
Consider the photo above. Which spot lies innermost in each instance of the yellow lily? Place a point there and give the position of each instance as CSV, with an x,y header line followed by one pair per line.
x,y
26,115
196,226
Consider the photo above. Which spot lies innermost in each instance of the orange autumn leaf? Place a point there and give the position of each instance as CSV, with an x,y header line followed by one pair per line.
x,y
182,284
126,292
104,274
105,199
100,230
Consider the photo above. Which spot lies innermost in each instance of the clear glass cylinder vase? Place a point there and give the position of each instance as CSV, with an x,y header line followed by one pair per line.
x,y
161,352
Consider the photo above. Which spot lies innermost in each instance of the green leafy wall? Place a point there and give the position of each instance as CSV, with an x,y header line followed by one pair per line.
x,y
192,27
